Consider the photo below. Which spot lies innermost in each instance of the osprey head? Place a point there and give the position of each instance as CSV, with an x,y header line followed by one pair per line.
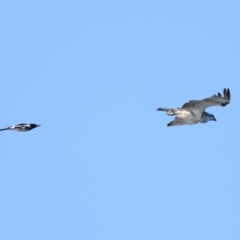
x,y
210,117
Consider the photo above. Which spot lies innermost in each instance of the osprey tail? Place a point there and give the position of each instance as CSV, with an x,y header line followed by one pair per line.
x,y
170,111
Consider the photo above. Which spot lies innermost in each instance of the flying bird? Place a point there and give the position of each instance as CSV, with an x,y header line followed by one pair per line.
x,y
193,112
22,127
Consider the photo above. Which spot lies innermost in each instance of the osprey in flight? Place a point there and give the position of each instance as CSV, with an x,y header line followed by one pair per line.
x,y
193,111
22,127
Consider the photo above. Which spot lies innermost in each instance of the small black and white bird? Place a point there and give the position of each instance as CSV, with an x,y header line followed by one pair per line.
x,y
22,127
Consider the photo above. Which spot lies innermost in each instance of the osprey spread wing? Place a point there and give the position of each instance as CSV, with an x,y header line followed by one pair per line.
x,y
193,111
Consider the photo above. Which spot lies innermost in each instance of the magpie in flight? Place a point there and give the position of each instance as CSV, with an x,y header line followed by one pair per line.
x,y
22,127
193,112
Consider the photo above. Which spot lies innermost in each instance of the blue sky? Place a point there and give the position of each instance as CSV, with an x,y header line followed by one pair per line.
x,y
104,165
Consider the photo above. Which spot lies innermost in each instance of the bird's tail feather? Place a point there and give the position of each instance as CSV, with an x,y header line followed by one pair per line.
x,y
170,111
3,129
163,109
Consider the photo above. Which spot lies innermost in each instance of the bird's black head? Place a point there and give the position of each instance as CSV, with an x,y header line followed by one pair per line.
x,y
33,125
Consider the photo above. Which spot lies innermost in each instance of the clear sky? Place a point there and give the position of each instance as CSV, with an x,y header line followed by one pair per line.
x,y
104,165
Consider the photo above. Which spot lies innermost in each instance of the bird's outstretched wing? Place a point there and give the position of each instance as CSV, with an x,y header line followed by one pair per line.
x,y
215,100
179,121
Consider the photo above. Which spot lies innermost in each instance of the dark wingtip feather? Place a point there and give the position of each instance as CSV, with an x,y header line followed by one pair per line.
x,y
228,94
224,92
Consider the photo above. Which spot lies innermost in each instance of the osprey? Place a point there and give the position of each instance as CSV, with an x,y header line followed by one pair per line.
x,y
22,127
193,112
